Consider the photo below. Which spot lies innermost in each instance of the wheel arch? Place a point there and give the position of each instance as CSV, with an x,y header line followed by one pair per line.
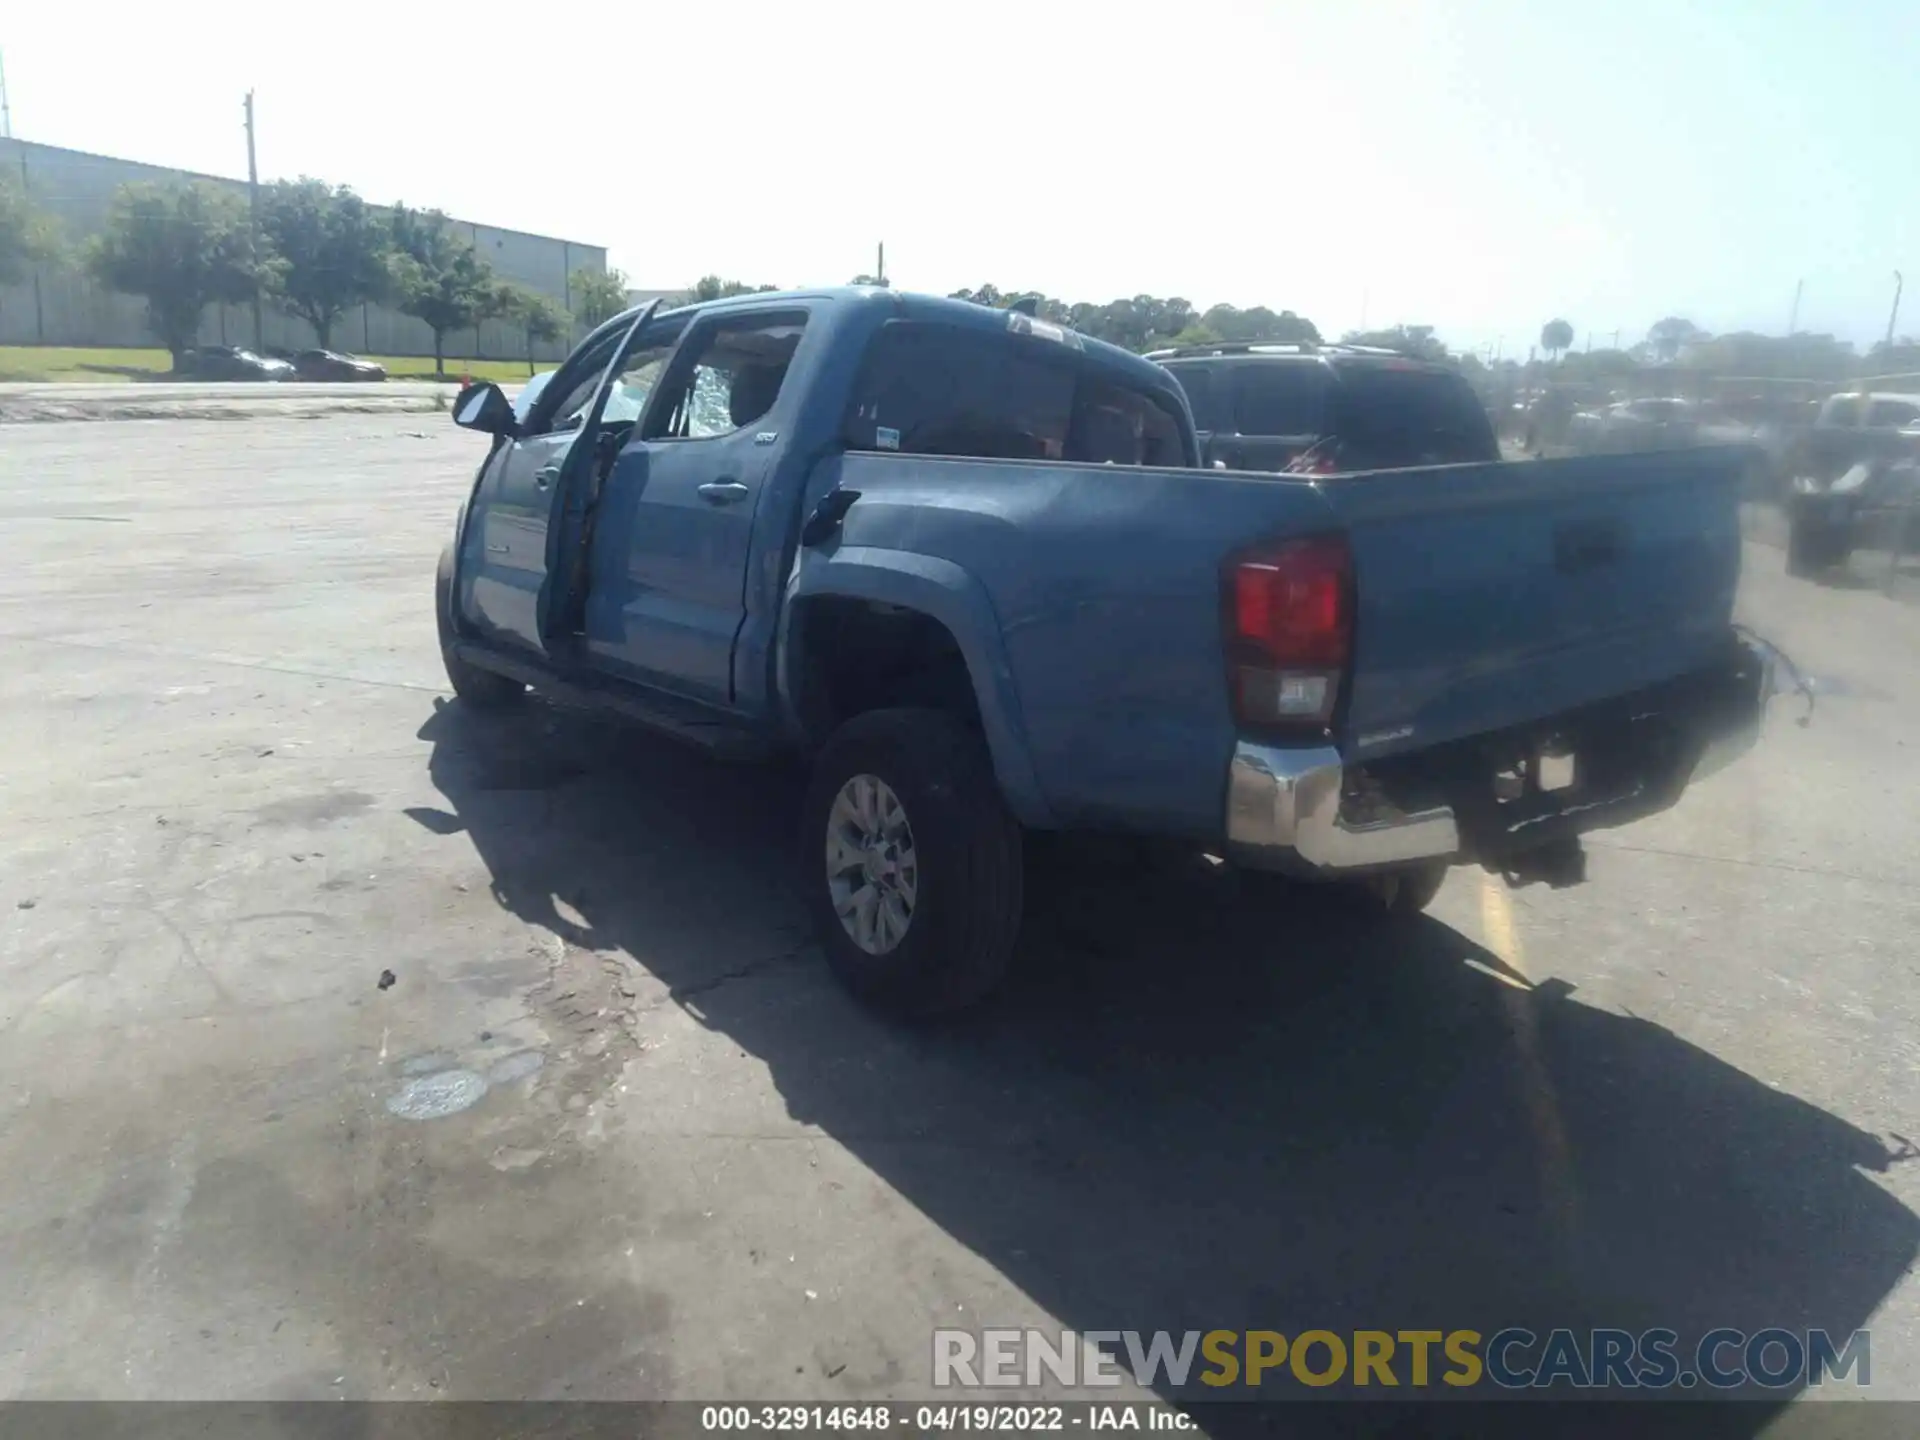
x,y
936,592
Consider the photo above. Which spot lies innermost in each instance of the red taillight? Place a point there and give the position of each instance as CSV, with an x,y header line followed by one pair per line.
x,y
1291,621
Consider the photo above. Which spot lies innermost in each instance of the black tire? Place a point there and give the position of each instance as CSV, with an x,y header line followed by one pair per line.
x,y
1403,892
1803,545
481,689
1408,891
965,911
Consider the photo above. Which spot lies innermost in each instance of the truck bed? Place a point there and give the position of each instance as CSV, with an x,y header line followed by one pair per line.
x,y
1490,595
1486,597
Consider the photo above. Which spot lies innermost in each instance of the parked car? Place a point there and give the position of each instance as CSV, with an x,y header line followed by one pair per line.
x,y
964,563
1647,424
1853,471
331,365
1318,409
230,362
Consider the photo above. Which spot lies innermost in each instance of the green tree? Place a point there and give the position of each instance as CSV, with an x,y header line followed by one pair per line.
x,y
712,287
986,295
1418,341
1196,334
333,251
1148,322
1260,324
1603,364
1801,356
598,295
439,278
1670,336
180,248
1900,358
27,235
539,316
1556,337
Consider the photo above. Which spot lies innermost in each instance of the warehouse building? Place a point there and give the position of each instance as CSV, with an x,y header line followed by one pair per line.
x,y
60,306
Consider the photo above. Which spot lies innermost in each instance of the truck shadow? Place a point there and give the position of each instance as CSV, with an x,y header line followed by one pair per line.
x,y
1194,1111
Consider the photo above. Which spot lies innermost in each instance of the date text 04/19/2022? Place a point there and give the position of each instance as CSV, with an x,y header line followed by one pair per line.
x,y
946,1417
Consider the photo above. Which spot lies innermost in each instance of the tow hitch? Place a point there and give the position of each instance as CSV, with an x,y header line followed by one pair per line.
x,y
1559,863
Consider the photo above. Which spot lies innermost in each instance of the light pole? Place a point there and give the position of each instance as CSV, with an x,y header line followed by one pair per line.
x,y
1894,314
253,212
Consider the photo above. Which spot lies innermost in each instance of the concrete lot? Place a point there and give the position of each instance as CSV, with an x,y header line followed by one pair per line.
x,y
235,793
33,402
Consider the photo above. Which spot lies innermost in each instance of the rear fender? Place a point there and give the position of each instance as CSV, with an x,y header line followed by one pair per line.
x,y
455,555
942,591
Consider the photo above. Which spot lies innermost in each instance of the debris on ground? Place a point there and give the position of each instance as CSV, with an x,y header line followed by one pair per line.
x,y
386,980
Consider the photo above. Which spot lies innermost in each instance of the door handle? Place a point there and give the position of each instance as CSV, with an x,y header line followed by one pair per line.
x,y
723,492
546,477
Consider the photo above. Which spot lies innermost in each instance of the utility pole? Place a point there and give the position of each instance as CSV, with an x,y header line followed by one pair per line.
x,y
880,264
26,190
1793,316
253,212
1898,285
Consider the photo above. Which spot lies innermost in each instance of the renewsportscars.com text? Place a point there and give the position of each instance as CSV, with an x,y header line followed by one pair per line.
x,y
1511,1359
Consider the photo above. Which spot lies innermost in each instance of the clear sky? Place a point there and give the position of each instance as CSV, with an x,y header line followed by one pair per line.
x,y
1477,165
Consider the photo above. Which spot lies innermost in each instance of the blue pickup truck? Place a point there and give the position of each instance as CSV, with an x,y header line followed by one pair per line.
x,y
966,565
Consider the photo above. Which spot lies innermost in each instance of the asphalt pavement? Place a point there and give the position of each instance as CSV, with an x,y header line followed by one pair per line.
x,y
233,400
355,1046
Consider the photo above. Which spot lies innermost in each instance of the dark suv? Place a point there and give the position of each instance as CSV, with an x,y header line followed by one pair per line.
x,y
1318,409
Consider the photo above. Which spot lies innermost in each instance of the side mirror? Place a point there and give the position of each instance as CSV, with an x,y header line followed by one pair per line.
x,y
483,407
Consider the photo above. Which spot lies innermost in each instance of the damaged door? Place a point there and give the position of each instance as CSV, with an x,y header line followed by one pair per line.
x,y
609,418
539,475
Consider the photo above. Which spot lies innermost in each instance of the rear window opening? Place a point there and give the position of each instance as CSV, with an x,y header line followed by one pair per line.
x,y
1280,399
1386,416
1206,395
933,389
1365,415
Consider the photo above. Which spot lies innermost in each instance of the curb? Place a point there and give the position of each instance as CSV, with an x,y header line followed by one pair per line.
x,y
20,410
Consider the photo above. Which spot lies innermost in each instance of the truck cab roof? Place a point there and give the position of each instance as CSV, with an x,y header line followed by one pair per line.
x,y
1139,370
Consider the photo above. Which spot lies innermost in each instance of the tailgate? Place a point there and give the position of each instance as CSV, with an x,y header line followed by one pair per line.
x,y
1493,595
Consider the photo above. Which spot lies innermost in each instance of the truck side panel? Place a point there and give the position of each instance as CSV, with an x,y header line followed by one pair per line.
x,y
1105,583
942,591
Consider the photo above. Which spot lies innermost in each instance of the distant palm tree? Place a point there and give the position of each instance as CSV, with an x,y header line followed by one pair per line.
x,y
1556,336
1672,335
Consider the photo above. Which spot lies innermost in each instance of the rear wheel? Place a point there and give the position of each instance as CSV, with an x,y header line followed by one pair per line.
x,y
481,689
1405,892
911,862
1816,542
1802,548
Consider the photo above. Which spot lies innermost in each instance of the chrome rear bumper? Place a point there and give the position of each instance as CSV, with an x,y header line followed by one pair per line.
x,y
1284,805
1283,812
1729,743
